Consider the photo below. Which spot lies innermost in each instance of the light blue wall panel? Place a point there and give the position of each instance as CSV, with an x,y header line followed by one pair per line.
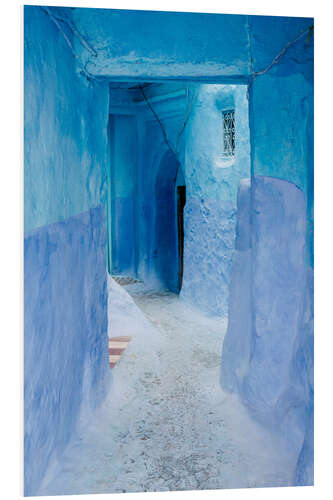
x,y
65,127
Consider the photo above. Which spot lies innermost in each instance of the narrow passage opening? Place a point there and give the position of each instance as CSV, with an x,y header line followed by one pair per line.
x,y
178,152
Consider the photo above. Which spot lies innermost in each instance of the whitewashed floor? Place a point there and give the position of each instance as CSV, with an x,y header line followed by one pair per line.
x,y
166,424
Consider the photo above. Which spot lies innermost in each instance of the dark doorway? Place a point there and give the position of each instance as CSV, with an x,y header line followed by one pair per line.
x,y
181,200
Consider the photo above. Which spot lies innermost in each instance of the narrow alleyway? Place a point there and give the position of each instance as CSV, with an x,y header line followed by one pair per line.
x,y
166,424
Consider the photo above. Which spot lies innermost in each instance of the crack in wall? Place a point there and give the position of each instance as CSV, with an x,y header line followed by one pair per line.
x,y
173,149
276,59
57,20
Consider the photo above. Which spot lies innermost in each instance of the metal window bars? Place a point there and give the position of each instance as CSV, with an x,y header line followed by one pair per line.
x,y
228,118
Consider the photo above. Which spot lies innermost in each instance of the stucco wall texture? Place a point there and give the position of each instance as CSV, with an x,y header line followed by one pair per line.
x,y
268,349
66,172
212,183
66,368
65,128
65,298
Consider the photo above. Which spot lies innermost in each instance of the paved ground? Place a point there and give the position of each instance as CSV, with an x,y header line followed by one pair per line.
x,y
167,425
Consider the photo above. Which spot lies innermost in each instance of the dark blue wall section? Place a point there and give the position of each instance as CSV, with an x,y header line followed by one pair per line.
x,y
143,175
123,143
153,44
65,155
123,244
166,238
66,356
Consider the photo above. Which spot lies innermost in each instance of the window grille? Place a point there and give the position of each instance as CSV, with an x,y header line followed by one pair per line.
x,y
228,133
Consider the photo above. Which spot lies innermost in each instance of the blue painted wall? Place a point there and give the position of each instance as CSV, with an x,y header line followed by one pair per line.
x,y
282,140
143,184
282,146
146,175
65,127
133,44
267,353
166,232
270,363
65,328
123,142
157,174
65,151
212,182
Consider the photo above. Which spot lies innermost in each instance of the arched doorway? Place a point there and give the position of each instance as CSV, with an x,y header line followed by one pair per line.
x,y
170,193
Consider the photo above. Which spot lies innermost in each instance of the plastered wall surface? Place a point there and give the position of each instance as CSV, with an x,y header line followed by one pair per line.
x,y
66,367
66,174
65,313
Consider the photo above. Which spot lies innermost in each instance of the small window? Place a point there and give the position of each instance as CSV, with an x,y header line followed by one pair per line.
x,y
228,133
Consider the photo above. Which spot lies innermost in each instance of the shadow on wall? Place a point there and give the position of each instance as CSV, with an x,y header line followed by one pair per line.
x,y
167,248
268,349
